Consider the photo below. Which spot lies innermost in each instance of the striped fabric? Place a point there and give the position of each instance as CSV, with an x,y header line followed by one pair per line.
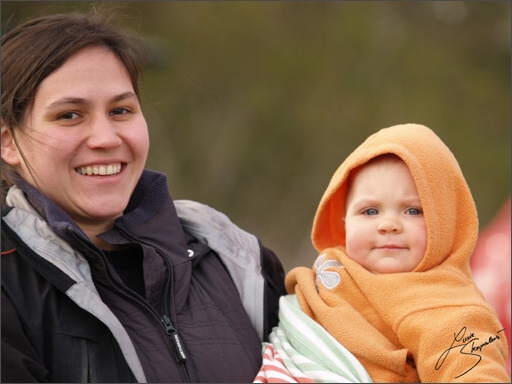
x,y
301,351
274,370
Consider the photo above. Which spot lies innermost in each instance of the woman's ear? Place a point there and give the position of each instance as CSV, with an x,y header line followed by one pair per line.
x,y
10,153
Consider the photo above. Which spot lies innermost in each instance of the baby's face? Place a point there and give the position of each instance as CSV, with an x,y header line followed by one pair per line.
x,y
384,222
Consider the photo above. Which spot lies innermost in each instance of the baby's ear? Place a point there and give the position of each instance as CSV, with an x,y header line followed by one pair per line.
x,y
10,153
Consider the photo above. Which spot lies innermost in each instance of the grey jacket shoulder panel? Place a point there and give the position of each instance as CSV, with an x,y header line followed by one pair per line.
x,y
239,250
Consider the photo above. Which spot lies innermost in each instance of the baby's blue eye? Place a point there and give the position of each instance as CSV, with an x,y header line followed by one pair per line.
x,y
414,211
371,211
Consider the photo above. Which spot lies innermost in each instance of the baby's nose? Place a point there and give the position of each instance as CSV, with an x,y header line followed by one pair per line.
x,y
388,225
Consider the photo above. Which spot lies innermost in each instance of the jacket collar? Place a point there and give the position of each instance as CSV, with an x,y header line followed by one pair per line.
x,y
150,194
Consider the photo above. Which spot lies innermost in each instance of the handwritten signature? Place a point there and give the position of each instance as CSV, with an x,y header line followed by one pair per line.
x,y
468,346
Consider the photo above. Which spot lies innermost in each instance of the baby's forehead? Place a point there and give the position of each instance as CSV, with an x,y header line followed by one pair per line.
x,y
388,159
379,177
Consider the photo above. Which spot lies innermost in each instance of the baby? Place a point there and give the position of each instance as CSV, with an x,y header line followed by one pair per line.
x,y
395,230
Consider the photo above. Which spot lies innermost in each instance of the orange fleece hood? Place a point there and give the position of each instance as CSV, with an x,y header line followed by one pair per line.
x,y
449,209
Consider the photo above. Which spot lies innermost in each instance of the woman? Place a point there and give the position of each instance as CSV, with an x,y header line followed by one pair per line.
x,y
104,277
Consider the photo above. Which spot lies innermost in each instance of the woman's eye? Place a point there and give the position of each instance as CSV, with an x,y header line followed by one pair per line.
x,y
414,211
370,211
120,111
69,116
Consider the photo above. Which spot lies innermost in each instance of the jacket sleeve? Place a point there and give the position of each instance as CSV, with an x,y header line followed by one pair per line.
x,y
273,273
20,362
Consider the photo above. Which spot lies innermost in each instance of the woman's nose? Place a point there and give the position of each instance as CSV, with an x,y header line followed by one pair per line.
x,y
103,134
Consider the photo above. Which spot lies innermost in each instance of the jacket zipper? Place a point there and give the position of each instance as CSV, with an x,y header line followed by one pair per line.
x,y
176,340
181,357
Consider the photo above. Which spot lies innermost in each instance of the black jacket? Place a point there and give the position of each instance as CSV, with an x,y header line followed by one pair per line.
x,y
210,294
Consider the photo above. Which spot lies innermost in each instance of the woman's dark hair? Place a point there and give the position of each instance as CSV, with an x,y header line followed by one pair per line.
x,y
33,50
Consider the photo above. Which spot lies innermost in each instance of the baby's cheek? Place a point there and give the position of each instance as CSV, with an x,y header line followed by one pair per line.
x,y
356,245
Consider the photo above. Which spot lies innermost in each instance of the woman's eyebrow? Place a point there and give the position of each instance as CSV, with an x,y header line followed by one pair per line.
x,y
82,101
123,96
66,101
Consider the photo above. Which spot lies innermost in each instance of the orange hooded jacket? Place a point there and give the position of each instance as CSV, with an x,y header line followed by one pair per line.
x,y
430,325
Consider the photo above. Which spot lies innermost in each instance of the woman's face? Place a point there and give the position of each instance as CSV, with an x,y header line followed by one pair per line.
x,y
85,139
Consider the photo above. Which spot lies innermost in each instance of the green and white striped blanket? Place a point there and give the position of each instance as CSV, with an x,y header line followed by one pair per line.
x,y
300,351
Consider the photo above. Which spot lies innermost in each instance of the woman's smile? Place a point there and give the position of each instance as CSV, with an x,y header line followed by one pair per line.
x,y
100,170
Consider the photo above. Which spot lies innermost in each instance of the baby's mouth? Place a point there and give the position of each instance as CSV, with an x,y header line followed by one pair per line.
x,y
100,170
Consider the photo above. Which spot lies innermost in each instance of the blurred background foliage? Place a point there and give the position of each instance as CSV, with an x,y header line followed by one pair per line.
x,y
253,105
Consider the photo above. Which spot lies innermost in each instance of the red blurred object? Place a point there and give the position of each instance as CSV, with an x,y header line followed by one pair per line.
x,y
490,265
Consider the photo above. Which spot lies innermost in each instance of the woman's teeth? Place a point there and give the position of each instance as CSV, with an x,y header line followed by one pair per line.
x,y
102,170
